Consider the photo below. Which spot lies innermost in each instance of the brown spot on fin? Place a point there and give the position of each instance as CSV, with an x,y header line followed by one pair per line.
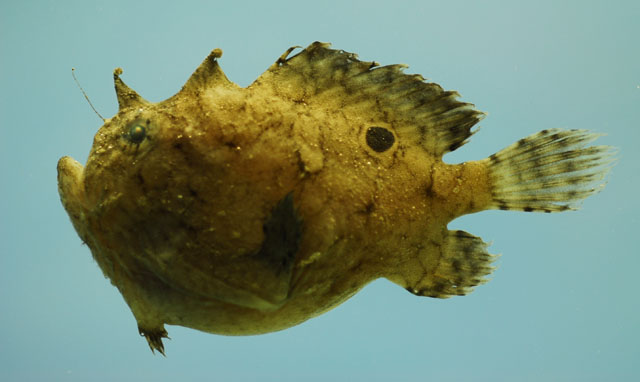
x,y
420,112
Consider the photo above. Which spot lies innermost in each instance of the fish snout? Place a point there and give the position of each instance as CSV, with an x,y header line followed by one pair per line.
x,y
70,173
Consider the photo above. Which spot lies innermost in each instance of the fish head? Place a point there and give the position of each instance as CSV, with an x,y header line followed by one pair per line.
x,y
141,153
168,197
130,160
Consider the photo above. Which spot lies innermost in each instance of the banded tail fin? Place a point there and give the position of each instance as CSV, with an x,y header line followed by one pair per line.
x,y
549,171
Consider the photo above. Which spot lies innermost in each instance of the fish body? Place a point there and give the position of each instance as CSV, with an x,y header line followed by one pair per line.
x,y
243,211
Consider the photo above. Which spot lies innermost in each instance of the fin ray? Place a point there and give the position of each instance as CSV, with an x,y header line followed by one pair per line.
x,y
548,171
421,112
464,264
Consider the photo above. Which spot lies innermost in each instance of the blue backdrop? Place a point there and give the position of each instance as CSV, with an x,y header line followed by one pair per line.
x,y
563,304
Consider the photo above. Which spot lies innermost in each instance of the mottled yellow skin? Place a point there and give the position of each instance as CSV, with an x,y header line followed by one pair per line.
x,y
176,216
243,163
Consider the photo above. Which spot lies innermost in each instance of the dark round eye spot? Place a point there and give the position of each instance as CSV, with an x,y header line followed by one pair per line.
x,y
379,139
137,133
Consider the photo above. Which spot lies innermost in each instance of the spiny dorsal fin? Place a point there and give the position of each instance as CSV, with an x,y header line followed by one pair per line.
x,y
208,74
127,97
420,112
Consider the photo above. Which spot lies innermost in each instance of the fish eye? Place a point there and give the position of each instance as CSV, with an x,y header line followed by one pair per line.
x,y
379,139
137,133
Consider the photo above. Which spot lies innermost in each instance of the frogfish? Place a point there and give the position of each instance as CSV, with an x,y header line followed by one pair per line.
x,y
241,211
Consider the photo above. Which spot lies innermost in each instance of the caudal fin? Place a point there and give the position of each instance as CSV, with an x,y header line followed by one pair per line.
x,y
549,171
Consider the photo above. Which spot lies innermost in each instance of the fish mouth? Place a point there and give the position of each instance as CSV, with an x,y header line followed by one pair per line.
x,y
69,172
70,185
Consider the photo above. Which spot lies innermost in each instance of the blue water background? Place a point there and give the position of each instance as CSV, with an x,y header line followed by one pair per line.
x,y
563,305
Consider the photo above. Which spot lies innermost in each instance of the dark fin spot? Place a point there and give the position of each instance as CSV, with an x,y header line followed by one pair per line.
x,y
379,139
454,146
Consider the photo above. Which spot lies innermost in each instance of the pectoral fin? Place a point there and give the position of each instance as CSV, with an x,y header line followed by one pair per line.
x,y
276,256
261,281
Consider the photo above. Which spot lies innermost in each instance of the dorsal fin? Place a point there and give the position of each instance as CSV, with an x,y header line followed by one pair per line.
x,y
127,97
208,74
418,111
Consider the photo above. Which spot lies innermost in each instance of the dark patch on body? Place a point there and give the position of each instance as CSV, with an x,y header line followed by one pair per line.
x,y
282,234
369,207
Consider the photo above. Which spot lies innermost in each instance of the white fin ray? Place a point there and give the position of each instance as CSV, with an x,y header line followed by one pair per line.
x,y
548,171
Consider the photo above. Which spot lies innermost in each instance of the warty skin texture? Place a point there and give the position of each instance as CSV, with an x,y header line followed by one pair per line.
x,y
243,211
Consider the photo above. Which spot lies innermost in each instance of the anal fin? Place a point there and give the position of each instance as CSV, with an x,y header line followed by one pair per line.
x,y
463,264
